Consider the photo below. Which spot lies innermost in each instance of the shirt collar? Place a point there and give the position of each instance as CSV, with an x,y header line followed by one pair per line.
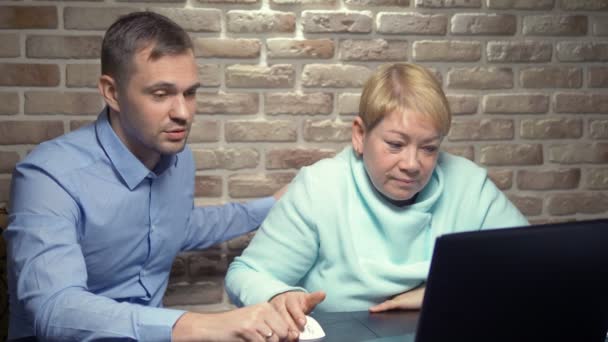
x,y
131,169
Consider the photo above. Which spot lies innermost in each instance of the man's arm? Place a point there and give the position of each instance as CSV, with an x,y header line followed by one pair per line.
x,y
210,225
48,272
213,224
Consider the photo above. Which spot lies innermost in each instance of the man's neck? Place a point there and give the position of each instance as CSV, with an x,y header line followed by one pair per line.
x,y
150,160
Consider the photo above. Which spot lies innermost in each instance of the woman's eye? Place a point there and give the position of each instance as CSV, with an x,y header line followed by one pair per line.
x,y
430,149
394,144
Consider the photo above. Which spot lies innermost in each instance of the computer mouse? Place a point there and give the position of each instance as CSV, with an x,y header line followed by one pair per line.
x,y
312,330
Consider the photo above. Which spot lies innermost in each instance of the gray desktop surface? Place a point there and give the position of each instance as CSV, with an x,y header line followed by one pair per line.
x,y
364,326
392,326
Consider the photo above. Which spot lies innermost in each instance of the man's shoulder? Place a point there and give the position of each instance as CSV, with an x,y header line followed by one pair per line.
x,y
73,150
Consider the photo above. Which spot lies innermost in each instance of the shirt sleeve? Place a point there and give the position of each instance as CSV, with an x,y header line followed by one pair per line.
x,y
281,252
213,224
48,275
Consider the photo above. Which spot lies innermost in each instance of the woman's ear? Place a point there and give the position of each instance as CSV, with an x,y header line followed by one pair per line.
x,y
109,90
358,135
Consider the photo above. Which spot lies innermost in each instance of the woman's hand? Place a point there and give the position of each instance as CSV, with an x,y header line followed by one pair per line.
x,y
294,306
410,300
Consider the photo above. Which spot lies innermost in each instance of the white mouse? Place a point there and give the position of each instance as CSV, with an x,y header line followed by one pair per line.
x,y
312,330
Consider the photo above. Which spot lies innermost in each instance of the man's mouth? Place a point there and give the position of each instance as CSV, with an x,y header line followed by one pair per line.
x,y
176,134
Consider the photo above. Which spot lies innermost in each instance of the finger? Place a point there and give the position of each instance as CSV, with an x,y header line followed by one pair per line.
x,y
384,306
313,300
279,303
293,319
254,336
293,336
296,311
277,320
272,338
266,334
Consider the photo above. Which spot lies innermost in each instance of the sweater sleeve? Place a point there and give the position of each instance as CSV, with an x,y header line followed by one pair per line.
x,y
281,252
498,211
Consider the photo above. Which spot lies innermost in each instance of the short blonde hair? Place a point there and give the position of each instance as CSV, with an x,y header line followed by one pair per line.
x,y
404,87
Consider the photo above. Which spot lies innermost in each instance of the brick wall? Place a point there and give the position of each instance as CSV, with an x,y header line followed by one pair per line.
x,y
526,80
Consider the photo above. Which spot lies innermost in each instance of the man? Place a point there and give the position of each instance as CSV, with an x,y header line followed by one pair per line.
x,y
98,215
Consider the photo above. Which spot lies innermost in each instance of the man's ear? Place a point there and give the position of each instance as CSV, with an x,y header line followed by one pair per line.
x,y
109,90
358,135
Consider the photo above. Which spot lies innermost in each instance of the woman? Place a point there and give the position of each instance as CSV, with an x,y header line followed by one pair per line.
x,y
360,228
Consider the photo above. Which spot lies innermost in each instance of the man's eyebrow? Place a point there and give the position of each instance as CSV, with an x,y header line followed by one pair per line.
x,y
160,85
194,86
169,86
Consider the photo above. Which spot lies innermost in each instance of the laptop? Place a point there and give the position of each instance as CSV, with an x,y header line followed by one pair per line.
x,y
536,283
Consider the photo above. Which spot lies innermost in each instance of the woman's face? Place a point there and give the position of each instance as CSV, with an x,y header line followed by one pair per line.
x,y
399,154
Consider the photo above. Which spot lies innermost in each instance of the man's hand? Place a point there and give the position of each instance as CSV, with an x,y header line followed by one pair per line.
x,y
277,195
410,300
258,323
295,305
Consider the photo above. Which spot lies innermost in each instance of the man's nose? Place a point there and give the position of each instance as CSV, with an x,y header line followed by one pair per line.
x,y
180,109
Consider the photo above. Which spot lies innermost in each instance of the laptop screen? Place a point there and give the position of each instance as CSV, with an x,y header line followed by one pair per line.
x,y
537,283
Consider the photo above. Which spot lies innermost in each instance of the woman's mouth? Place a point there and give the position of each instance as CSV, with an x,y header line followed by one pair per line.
x,y
404,181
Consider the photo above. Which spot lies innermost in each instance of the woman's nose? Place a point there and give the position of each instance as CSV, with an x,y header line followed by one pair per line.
x,y
409,160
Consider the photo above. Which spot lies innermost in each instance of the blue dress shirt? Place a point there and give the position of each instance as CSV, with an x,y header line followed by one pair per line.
x,y
93,233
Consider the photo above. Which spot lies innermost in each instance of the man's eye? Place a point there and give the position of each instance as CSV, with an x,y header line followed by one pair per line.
x,y
159,94
190,94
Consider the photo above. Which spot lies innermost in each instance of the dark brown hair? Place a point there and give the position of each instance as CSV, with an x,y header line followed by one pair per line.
x,y
134,32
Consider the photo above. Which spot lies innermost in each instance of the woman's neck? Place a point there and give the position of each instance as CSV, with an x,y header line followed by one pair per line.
x,y
400,203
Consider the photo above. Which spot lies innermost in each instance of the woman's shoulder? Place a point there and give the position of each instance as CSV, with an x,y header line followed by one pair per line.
x,y
456,168
335,166
451,161
326,175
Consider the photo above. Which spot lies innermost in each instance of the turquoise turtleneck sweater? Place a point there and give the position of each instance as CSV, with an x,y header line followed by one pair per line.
x,y
333,231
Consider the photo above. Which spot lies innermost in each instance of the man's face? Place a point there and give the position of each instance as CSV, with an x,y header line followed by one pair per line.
x,y
157,105
399,153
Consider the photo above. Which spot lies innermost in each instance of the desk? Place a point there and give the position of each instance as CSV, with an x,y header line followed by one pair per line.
x,y
362,326
359,326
